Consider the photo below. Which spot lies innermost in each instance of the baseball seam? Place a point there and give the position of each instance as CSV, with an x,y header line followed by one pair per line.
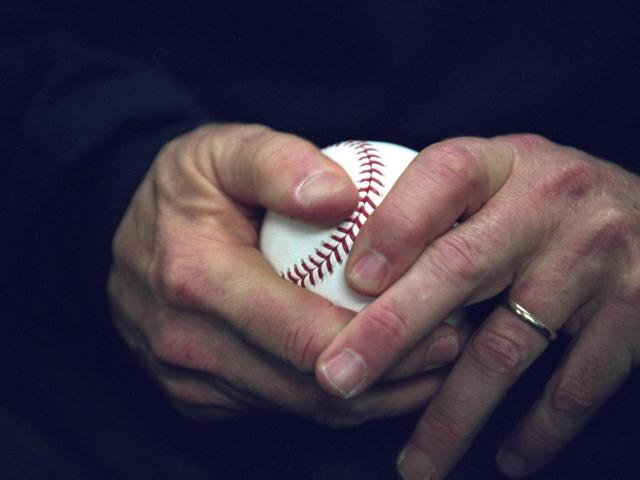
x,y
316,266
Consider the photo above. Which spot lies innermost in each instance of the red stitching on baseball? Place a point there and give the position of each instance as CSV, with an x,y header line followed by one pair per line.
x,y
322,262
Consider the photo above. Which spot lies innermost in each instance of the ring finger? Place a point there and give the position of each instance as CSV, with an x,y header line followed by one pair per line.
x,y
500,351
594,367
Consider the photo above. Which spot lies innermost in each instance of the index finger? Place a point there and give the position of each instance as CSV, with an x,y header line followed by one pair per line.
x,y
445,182
257,166
445,275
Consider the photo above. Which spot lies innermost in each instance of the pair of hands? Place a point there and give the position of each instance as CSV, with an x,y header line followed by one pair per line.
x,y
222,333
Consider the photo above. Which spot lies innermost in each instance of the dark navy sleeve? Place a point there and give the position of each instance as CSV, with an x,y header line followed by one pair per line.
x,y
79,127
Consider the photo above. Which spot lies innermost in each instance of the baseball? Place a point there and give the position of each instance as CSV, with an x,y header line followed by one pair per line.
x,y
313,257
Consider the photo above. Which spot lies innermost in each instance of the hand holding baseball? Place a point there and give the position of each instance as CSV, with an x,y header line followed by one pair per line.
x,y
194,297
558,230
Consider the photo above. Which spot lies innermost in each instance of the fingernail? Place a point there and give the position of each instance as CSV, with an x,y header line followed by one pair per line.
x,y
345,372
443,350
370,272
414,464
512,465
319,185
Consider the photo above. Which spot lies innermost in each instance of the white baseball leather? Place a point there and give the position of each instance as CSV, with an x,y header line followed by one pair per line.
x,y
313,257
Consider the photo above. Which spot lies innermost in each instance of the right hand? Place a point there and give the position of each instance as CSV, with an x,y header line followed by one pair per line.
x,y
219,330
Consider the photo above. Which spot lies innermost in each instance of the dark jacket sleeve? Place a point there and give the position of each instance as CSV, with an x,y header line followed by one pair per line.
x,y
78,128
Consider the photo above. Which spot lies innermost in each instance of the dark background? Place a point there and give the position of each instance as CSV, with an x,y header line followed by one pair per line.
x,y
412,72
78,138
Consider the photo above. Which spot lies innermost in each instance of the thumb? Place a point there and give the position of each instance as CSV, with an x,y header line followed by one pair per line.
x,y
257,166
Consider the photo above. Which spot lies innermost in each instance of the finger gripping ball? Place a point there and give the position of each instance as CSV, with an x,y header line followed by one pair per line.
x,y
314,257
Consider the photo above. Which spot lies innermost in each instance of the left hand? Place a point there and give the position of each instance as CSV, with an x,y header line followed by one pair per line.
x,y
556,228
219,331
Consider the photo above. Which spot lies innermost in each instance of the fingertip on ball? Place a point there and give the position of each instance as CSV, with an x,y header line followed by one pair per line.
x,y
325,195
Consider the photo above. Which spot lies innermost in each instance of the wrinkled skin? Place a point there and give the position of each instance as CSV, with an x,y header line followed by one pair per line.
x,y
218,329
556,229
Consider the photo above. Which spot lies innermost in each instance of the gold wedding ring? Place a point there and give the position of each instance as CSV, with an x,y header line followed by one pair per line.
x,y
524,315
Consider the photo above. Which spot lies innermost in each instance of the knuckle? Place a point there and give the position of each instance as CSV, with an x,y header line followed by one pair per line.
x,y
500,353
385,329
607,235
176,279
573,179
303,346
175,158
573,397
537,438
441,424
218,136
451,163
613,226
526,143
397,223
176,346
454,258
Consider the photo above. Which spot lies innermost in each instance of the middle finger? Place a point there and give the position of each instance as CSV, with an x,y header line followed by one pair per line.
x,y
450,272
